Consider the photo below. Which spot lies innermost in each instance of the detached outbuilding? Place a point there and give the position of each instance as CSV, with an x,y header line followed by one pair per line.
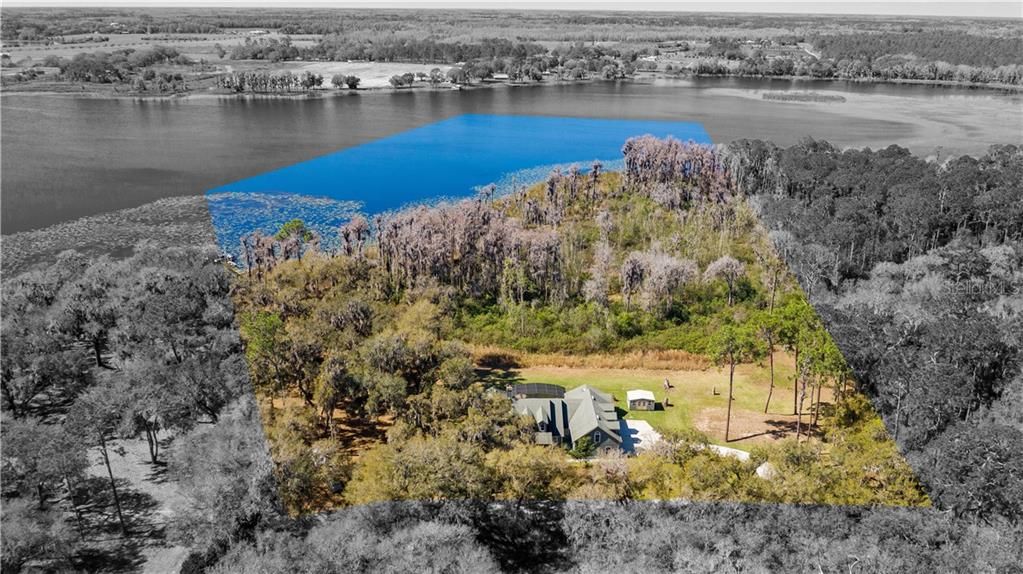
x,y
640,400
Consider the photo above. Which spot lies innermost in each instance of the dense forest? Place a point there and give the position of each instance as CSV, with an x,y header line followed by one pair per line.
x,y
102,354
947,46
914,268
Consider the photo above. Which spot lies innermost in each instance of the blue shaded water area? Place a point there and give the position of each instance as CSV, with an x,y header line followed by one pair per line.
x,y
451,158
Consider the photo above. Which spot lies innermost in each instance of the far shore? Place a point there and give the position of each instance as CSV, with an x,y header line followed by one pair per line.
x,y
375,85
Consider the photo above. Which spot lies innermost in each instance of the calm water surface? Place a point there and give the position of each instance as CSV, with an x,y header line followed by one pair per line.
x,y
64,158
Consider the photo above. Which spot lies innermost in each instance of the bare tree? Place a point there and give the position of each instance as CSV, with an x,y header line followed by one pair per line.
x,y
633,272
727,268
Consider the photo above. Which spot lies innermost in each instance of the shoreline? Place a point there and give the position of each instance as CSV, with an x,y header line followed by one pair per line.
x,y
867,81
97,93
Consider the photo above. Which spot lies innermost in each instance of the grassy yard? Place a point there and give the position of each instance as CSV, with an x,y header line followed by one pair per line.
x,y
697,397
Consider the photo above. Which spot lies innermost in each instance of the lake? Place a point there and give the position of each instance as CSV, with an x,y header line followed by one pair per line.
x,y
66,157
451,158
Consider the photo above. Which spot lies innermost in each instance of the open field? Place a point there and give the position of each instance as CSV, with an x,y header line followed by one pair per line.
x,y
697,397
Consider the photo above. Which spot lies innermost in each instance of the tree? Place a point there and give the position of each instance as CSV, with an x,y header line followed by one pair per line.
x,y
401,81
456,75
666,276
96,416
633,273
354,234
794,319
457,372
531,472
727,268
90,310
772,258
42,457
227,475
352,82
155,402
826,364
32,534
266,352
292,236
656,476
583,448
37,360
421,468
768,326
733,345
337,386
976,471
310,80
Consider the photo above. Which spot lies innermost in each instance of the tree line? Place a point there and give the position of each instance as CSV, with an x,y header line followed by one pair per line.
x,y
887,68
953,47
272,82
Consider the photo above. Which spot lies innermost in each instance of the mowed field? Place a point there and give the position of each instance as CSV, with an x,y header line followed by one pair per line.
x,y
697,399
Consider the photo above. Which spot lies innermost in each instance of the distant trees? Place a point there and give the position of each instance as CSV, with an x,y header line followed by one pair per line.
x,y
310,80
402,81
456,75
393,49
267,82
271,49
341,80
117,66
886,56
951,47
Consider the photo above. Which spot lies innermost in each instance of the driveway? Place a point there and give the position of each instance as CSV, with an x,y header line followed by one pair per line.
x,y
637,435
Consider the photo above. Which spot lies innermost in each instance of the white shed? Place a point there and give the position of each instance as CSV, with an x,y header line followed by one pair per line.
x,y
640,400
